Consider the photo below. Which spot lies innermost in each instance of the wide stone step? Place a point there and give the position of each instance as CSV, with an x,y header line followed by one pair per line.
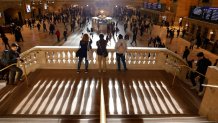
x,y
160,120
109,120
47,120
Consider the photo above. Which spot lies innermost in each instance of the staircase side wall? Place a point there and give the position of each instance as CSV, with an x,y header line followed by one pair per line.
x,y
209,105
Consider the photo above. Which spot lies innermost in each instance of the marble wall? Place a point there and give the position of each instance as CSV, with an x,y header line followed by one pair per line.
x,y
209,105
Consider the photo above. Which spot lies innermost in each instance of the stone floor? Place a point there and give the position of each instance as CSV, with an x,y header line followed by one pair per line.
x,y
33,37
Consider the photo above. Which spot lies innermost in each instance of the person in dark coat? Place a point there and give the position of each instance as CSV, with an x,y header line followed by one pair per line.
x,y
5,41
14,57
18,34
199,42
84,43
102,53
186,53
38,26
44,27
202,66
65,35
134,39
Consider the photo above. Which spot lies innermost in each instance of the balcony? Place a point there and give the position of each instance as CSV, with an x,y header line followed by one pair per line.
x,y
55,93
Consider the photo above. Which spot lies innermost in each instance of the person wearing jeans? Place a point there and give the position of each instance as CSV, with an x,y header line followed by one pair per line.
x,y
13,58
120,48
122,58
84,44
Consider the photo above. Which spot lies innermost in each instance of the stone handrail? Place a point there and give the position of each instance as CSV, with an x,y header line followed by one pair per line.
x,y
64,57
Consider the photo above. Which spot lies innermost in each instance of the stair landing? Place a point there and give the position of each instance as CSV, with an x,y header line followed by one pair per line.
x,y
64,94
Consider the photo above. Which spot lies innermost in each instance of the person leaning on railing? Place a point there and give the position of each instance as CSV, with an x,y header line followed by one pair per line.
x,y
202,66
84,45
120,49
102,53
14,57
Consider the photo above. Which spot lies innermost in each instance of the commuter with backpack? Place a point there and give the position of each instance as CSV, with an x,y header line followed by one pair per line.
x,y
10,57
120,49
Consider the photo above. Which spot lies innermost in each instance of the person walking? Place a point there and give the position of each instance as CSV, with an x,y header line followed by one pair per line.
x,y
134,39
5,41
51,29
102,53
84,45
38,26
44,27
202,66
120,48
65,35
186,53
58,34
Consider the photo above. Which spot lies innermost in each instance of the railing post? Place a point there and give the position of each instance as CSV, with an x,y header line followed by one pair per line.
x,y
41,58
25,74
160,59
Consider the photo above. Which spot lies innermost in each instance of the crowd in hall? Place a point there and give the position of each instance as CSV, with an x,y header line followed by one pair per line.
x,y
77,18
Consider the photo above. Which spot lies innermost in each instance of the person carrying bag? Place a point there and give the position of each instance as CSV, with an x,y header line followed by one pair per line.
x,y
82,52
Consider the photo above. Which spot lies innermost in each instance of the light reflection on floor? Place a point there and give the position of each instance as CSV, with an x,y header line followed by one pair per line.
x,y
68,97
63,111
75,100
25,99
37,103
61,98
146,97
46,100
148,104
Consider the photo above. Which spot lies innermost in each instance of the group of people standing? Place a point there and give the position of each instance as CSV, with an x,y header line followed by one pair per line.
x,y
85,46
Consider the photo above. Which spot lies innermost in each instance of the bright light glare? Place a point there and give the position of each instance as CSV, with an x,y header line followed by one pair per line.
x,y
111,102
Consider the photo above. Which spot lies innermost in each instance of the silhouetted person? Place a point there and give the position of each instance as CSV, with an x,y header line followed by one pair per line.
x,y
58,34
186,53
38,26
65,35
5,41
202,66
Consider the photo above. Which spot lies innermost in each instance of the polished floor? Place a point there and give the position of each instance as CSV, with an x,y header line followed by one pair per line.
x,y
69,93
68,97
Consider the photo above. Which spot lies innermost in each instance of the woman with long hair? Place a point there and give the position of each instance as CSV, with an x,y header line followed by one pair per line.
x,y
84,45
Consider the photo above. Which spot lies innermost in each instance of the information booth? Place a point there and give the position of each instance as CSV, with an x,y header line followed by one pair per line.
x,y
99,24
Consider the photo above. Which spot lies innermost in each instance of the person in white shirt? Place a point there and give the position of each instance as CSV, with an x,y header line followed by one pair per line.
x,y
121,48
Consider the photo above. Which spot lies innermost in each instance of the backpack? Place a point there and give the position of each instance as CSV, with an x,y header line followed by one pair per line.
x,y
121,48
5,58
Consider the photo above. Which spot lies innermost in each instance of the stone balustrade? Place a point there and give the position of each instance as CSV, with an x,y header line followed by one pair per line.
x,y
64,57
